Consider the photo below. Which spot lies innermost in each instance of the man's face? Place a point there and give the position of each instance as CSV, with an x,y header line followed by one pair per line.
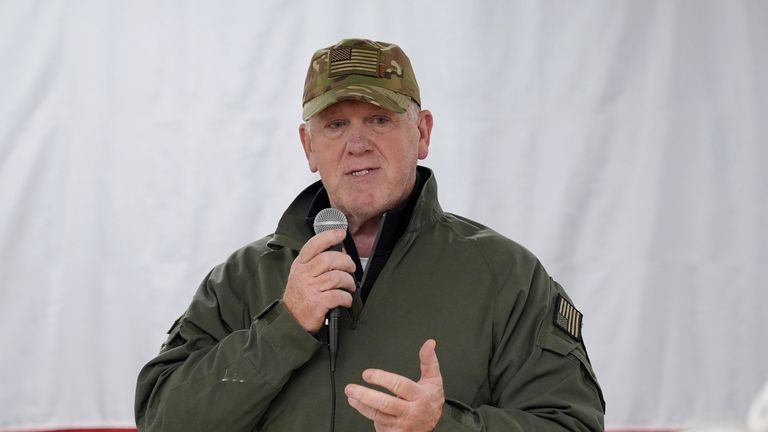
x,y
366,155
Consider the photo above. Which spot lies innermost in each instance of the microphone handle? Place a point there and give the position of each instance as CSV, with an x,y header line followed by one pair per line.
x,y
333,325
333,335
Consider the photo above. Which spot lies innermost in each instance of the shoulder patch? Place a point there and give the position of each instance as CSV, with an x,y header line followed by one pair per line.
x,y
568,318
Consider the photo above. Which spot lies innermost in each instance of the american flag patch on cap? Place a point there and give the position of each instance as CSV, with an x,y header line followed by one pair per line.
x,y
568,318
348,60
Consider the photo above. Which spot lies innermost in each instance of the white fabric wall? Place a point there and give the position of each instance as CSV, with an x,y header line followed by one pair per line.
x,y
623,142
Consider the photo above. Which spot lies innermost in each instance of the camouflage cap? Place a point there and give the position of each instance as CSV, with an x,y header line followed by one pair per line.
x,y
375,72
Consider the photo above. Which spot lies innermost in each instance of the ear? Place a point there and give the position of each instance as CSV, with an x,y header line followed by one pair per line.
x,y
425,131
306,143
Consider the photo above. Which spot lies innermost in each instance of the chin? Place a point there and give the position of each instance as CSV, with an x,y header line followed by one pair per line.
x,y
363,209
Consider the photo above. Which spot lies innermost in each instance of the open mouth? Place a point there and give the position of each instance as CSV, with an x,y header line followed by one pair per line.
x,y
362,172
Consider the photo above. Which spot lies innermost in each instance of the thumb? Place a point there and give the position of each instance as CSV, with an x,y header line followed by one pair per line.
x,y
430,368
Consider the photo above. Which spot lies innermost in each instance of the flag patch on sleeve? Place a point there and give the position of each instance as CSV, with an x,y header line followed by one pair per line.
x,y
568,318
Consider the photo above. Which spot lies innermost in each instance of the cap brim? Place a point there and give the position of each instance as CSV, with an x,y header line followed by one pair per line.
x,y
379,96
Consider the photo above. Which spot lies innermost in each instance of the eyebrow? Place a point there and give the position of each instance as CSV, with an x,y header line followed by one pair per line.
x,y
329,114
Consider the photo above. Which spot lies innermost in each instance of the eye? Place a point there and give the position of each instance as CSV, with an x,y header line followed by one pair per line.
x,y
380,120
335,124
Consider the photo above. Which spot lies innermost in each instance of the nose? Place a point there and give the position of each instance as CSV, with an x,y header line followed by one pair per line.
x,y
357,140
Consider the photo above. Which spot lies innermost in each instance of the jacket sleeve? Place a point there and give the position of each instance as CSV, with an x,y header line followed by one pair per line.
x,y
212,373
540,375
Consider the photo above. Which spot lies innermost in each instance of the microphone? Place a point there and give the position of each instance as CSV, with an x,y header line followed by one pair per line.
x,y
330,219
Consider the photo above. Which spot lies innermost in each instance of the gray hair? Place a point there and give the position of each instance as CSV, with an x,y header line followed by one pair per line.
x,y
412,113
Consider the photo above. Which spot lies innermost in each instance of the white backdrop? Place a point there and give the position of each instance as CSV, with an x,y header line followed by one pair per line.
x,y
623,142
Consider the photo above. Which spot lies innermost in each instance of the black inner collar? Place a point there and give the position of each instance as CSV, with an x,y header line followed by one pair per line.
x,y
391,227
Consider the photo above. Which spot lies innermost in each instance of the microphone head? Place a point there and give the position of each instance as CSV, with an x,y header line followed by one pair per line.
x,y
329,219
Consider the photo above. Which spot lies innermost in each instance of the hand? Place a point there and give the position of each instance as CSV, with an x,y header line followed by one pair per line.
x,y
415,406
319,281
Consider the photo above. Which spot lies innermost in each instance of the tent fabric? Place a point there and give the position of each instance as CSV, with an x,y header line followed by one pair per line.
x,y
623,142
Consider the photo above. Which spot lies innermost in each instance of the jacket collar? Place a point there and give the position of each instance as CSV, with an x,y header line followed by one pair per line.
x,y
293,230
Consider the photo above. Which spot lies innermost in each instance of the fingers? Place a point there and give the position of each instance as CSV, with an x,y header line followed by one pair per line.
x,y
405,388
333,298
320,243
329,261
430,367
400,386
371,412
415,406
319,280
371,401
335,279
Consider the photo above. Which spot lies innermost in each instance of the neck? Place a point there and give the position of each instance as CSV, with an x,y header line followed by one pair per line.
x,y
364,233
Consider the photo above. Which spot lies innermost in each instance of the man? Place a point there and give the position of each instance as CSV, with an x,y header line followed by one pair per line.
x,y
448,325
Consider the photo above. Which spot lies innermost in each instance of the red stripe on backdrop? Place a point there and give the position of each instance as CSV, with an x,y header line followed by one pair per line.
x,y
134,430
73,430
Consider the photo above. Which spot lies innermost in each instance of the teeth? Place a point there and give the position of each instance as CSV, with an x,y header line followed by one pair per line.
x,y
360,173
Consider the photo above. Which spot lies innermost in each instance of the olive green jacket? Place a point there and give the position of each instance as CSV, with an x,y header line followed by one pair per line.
x,y
237,360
